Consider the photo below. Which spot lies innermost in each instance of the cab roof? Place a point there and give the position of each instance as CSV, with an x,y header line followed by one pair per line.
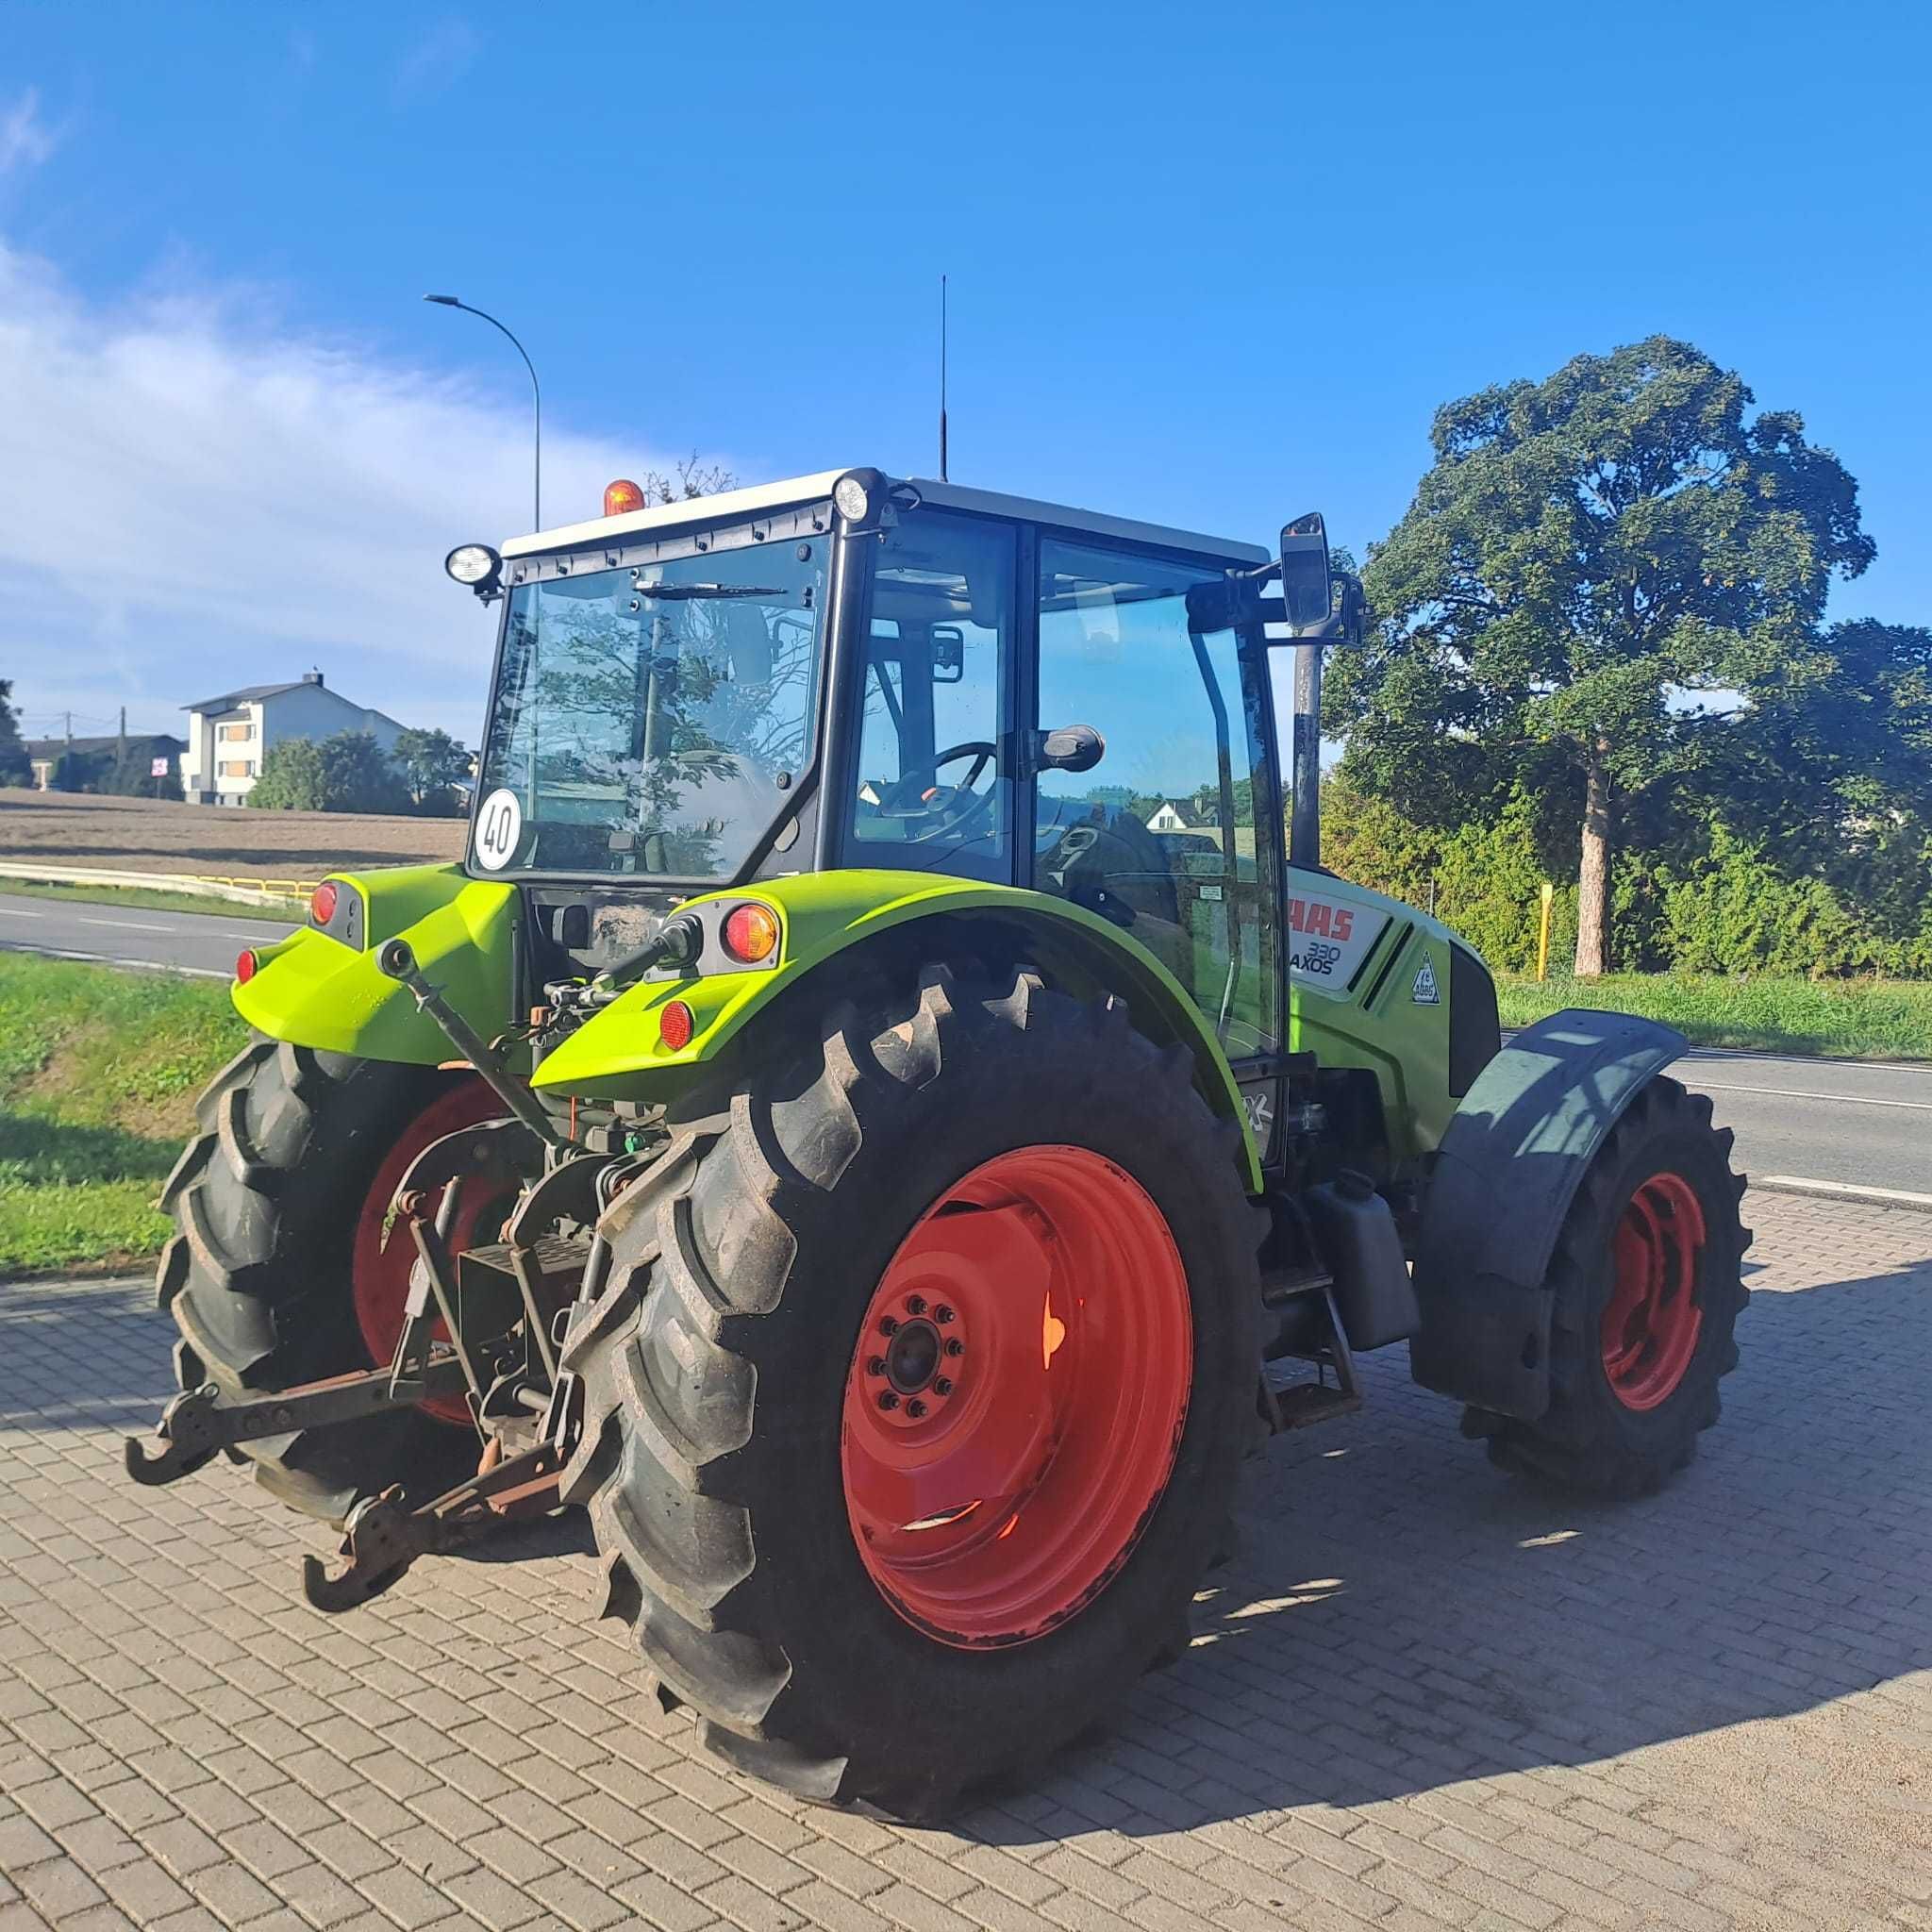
x,y
796,489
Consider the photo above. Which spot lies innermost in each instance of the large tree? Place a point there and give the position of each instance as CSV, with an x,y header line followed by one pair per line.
x,y
1586,555
14,768
433,765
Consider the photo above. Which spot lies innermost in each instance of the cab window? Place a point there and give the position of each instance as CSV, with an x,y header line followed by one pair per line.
x,y
933,791
1160,836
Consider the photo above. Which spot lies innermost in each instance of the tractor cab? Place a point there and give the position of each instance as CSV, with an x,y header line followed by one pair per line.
x,y
851,671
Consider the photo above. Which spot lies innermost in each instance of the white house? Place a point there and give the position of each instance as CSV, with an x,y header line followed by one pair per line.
x,y
228,736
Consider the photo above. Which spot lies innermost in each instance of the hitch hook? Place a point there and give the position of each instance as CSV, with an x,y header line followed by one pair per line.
x,y
187,1440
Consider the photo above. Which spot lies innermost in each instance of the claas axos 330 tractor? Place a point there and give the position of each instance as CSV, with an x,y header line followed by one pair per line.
x,y
884,1119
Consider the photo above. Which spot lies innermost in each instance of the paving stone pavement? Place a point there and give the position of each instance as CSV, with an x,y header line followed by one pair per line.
x,y
1423,1695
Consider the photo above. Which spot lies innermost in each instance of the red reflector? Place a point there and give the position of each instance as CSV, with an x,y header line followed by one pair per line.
x,y
675,1025
621,497
247,966
322,902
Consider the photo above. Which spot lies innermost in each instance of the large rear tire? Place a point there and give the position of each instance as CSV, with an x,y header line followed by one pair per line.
x,y
271,1277
989,1247
1646,1288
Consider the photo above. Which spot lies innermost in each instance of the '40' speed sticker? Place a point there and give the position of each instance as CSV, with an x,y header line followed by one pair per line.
x,y
499,826
1328,940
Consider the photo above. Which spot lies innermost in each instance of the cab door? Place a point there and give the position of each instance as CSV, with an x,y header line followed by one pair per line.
x,y
1172,836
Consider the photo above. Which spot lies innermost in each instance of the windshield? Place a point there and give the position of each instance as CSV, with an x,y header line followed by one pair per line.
x,y
649,719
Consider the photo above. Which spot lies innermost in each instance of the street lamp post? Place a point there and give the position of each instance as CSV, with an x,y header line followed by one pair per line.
x,y
451,302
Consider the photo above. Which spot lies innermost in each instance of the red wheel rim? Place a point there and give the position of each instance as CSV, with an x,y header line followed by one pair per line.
x,y
1016,1400
1649,1327
379,1277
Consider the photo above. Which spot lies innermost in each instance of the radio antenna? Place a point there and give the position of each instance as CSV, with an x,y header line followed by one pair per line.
x,y
942,380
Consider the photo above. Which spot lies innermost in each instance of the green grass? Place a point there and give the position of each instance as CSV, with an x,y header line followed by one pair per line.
x,y
98,1075
152,898
1860,1019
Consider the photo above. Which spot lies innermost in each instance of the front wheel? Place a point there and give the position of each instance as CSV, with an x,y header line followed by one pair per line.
x,y
914,1404
1646,1293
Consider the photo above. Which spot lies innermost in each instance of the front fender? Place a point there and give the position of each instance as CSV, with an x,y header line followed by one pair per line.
x,y
621,1054
315,990
1515,1154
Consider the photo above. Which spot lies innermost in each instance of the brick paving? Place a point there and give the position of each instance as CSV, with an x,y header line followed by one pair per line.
x,y
1423,1696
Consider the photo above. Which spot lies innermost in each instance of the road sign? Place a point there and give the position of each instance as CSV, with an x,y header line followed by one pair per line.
x,y
159,769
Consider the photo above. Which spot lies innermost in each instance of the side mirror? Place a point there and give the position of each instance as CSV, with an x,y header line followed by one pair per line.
x,y
948,654
1308,592
1071,748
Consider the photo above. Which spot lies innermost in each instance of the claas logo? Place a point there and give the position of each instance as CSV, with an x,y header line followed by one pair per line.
x,y
1319,919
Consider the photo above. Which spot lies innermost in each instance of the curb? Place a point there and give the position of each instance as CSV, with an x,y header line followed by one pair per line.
x,y
1842,1190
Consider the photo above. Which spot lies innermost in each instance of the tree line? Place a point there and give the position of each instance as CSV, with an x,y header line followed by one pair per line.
x,y
423,772
1600,655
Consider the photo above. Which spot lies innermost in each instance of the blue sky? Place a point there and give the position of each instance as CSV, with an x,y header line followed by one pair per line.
x,y
1209,264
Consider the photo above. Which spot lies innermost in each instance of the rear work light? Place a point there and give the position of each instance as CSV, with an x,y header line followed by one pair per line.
x,y
322,902
621,497
675,1025
247,966
751,933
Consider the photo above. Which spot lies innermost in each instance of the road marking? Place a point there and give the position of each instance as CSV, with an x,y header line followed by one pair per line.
x,y
111,960
1843,1190
1794,1094
127,924
15,912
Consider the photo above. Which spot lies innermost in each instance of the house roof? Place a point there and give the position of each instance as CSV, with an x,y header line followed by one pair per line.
x,y
88,747
247,694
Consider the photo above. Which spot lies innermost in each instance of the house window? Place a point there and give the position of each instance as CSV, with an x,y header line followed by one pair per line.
x,y
234,734
236,768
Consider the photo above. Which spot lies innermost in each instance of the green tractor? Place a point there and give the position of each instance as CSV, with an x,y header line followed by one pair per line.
x,y
884,1119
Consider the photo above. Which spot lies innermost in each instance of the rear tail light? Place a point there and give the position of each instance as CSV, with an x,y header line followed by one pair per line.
x,y
675,1025
751,933
322,902
247,966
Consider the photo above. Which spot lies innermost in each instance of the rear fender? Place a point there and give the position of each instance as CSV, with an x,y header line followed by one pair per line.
x,y
828,920
1515,1152
318,990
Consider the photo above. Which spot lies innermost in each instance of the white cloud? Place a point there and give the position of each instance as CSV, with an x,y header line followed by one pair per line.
x,y
25,142
442,55
188,502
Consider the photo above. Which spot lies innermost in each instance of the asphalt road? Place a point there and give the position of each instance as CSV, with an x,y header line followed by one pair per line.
x,y
1864,1122
204,944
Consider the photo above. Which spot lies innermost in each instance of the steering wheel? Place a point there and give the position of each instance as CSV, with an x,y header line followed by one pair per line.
x,y
950,809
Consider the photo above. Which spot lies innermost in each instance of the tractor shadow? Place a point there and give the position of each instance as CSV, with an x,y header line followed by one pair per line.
x,y
1403,1617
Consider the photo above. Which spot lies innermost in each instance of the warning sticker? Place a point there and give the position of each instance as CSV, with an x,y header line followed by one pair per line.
x,y
1328,940
1426,992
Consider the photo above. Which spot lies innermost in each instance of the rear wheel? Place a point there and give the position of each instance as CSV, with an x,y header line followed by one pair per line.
x,y
1647,1290
278,1274
914,1404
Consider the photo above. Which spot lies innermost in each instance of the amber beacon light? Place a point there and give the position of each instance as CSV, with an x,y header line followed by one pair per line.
x,y
621,497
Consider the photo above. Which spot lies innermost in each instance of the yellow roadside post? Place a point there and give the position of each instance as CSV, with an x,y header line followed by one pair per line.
x,y
1543,937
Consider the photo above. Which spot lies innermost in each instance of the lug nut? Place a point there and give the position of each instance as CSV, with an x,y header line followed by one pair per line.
x,y
943,1386
915,1305
942,1314
888,1324
887,1399
876,1366
954,1346
915,1408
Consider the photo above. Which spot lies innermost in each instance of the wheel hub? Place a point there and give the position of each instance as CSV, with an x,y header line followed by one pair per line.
x,y
1017,1396
1652,1320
